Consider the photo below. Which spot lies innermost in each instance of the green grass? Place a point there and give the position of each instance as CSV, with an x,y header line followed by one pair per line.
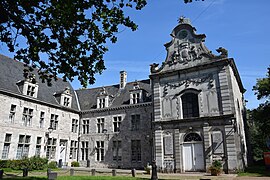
x,y
80,178
255,171
97,178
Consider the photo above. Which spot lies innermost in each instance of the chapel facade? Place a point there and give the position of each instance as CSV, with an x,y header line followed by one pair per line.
x,y
189,113
198,106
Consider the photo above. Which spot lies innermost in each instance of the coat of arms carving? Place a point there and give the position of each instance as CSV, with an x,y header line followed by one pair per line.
x,y
184,53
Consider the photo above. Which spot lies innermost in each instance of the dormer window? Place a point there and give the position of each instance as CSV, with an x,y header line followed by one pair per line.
x,y
29,86
101,103
136,94
30,90
103,99
64,97
135,98
66,101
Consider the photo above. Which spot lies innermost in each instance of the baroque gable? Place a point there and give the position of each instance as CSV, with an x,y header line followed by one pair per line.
x,y
186,49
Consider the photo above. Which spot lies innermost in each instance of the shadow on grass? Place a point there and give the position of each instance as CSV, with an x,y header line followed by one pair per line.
x,y
258,171
25,178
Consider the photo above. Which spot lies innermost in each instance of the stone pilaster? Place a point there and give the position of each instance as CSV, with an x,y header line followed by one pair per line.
x,y
225,92
230,147
207,145
156,101
177,154
159,155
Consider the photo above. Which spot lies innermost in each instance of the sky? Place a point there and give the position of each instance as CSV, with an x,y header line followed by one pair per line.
x,y
240,26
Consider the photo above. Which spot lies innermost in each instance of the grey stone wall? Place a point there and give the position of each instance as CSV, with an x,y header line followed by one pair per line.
x,y
125,135
16,128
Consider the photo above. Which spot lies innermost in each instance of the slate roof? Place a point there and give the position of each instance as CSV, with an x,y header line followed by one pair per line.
x,y
11,72
118,98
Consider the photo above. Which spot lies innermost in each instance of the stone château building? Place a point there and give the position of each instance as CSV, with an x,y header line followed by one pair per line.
x,y
188,114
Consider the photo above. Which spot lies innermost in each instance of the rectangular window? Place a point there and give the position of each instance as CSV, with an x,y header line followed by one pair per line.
x,y
41,119
75,124
135,98
6,146
38,147
23,146
100,125
27,116
135,122
101,103
85,127
12,113
116,123
54,121
51,148
30,90
136,150
190,105
66,101
100,150
84,150
117,150
73,149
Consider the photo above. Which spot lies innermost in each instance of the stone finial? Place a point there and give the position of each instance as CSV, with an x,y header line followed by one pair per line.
x,y
136,85
183,20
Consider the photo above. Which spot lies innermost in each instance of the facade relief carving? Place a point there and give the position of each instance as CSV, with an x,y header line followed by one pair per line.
x,y
188,82
170,107
184,52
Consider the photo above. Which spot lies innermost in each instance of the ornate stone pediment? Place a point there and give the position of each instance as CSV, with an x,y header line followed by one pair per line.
x,y
186,49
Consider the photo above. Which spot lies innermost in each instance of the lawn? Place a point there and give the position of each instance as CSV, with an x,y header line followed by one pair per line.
x,y
97,178
255,171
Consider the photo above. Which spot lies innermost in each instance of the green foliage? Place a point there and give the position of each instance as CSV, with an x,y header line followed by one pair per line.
x,y
215,168
262,87
259,118
217,164
38,163
52,165
70,35
33,163
3,163
255,171
75,164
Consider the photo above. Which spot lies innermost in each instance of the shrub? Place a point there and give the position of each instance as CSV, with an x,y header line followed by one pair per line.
x,y
52,165
38,163
33,163
3,163
215,169
75,164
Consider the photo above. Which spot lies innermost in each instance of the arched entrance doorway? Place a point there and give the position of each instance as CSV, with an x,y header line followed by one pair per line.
x,y
193,152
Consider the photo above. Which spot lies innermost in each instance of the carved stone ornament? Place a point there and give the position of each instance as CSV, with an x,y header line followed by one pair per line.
x,y
187,83
184,53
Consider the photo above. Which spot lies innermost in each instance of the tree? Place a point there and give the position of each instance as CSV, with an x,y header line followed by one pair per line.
x,y
259,118
71,34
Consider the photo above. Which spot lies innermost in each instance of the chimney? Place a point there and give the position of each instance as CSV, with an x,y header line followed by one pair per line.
x,y
123,79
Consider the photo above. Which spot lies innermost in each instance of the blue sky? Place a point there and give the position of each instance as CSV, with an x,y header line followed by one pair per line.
x,y
240,26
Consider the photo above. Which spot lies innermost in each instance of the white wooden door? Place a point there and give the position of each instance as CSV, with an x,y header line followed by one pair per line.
x,y
193,156
187,157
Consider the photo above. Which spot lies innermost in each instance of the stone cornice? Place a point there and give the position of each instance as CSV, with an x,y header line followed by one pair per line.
x,y
33,100
195,119
117,108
